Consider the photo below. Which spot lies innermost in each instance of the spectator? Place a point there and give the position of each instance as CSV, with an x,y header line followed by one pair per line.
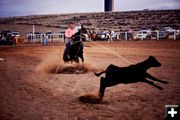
x,y
45,41
14,40
109,37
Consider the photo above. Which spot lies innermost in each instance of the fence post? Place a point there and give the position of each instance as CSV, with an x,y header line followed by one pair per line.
x,y
33,33
157,35
126,36
117,37
62,39
120,36
27,38
174,34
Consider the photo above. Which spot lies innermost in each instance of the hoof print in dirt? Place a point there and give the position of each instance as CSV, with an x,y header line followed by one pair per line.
x,y
90,98
71,70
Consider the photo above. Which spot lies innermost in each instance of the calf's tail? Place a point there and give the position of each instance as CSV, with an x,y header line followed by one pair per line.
x,y
98,74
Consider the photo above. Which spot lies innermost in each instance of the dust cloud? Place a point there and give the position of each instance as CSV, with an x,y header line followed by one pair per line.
x,y
53,63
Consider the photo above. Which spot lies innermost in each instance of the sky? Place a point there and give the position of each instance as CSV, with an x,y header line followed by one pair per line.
x,y
36,7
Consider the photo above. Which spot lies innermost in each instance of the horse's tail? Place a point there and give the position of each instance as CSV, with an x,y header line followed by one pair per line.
x,y
98,74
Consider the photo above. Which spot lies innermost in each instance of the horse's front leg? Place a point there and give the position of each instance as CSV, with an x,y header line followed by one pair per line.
x,y
81,56
82,59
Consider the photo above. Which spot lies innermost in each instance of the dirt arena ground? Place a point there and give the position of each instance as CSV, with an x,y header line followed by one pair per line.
x,y
29,90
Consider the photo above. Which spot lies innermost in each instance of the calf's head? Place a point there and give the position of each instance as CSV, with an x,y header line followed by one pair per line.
x,y
153,62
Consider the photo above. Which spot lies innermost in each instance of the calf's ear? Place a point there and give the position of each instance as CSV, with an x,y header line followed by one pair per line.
x,y
151,57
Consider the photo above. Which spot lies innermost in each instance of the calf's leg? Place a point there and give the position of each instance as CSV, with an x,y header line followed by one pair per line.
x,y
102,87
155,79
151,83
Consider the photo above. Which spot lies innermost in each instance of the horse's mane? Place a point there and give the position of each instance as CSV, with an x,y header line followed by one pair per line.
x,y
76,36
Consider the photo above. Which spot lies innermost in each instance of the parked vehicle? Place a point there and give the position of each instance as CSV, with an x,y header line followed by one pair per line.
x,y
143,34
15,33
167,29
37,35
154,35
125,36
6,38
165,32
145,29
102,36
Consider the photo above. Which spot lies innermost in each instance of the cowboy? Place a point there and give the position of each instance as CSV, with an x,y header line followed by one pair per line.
x,y
69,33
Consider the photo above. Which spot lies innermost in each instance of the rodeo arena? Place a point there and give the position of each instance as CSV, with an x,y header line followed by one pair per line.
x,y
91,66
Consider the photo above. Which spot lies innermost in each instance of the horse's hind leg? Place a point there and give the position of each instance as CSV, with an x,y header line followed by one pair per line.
x,y
80,52
82,57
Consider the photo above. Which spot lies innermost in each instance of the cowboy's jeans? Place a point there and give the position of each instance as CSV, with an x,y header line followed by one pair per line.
x,y
68,43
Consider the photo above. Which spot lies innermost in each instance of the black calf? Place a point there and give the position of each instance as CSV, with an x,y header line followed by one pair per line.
x,y
134,73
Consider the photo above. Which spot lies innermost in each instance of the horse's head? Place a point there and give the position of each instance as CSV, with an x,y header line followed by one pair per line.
x,y
83,33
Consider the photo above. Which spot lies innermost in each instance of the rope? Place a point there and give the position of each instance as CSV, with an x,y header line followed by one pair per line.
x,y
110,51
75,42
